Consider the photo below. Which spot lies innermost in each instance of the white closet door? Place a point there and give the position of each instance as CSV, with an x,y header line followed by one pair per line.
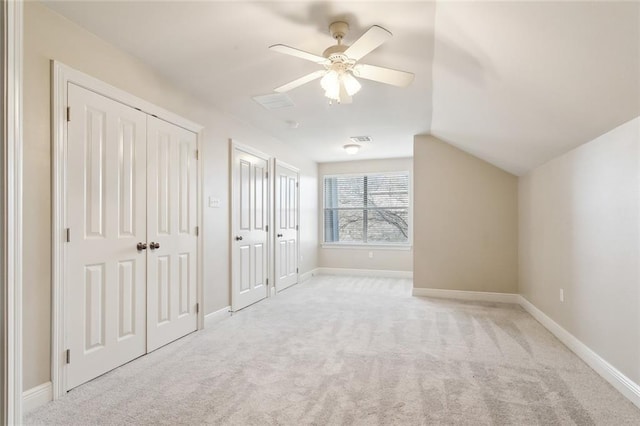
x,y
249,224
286,199
171,232
106,204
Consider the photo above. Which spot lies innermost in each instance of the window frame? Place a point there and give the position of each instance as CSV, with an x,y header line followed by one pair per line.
x,y
374,245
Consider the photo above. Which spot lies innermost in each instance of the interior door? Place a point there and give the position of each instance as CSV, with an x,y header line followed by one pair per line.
x,y
171,232
106,203
286,211
249,227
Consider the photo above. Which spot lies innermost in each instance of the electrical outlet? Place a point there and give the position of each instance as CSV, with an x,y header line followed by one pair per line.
x,y
562,295
370,255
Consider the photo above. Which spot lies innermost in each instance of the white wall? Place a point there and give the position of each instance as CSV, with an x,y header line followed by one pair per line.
x,y
50,36
580,231
400,259
466,221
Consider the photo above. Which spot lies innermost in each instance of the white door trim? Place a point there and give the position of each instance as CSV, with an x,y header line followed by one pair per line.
x,y
234,145
249,149
12,215
286,165
61,76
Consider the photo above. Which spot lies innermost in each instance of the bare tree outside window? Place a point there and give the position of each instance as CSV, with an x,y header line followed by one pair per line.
x,y
367,209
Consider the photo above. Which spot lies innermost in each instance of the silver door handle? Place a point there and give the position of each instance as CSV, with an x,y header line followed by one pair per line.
x,y
279,235
154,246
238,238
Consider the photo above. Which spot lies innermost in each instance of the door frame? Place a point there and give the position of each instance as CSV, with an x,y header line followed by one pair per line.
x,y
62,75
277,162
233,146
11,128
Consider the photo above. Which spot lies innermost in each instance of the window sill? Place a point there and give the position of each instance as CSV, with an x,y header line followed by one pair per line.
x,y
406,247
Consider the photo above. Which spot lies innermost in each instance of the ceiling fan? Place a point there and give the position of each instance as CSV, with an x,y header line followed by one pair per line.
x,y
341,64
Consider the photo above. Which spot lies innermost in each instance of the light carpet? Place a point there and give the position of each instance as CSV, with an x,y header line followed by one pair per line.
x,y
354,350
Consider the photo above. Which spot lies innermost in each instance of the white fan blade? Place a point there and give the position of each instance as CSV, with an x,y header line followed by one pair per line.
x,y
299,82
383,75
370,40
288,50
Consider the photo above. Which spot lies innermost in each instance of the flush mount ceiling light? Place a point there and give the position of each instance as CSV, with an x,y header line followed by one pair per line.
x,y
341,64
352,148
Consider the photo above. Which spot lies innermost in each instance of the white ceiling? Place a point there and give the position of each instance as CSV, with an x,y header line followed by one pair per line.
x,y
513,83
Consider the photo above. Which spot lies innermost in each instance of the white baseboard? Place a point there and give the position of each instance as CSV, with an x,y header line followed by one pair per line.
x,y
480,296
307,275
615,377
618,380
365,272
217,316
36,397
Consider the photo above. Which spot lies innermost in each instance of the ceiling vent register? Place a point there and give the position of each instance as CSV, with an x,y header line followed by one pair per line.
x,y
274,101
360,139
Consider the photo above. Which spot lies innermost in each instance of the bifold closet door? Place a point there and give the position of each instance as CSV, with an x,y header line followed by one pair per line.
x,y
171,232
106,204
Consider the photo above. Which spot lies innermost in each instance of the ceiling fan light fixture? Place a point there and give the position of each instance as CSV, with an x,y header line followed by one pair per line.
x,y
336,82
330,81
332,94
352,148
351,85
331,85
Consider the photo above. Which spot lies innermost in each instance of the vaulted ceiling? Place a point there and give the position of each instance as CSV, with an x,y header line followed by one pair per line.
x,y
514,83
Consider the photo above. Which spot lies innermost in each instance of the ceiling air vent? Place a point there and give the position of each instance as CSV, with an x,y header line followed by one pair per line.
x,y
274,101
360,139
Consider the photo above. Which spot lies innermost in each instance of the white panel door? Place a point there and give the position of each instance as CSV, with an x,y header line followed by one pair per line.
x,y
171,232
286,211
249,227
106,204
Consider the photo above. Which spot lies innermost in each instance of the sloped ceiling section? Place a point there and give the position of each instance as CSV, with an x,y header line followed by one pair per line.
x,y
514,83
529,81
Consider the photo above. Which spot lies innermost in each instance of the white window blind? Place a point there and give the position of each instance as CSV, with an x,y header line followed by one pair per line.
x,y
367,209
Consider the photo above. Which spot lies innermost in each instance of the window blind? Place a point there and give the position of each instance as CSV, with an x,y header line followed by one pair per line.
x,y
367,209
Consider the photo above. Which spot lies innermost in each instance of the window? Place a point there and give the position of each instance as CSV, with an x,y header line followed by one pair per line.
x,y
367,209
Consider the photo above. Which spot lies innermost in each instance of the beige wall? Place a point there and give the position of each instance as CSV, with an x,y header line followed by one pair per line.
x,y
358,258
49,36
580,232
466,221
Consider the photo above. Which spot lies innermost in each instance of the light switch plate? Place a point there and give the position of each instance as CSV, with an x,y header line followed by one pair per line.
x,y
214,202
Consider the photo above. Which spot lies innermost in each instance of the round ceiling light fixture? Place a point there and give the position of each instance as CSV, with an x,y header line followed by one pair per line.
x,y
352,148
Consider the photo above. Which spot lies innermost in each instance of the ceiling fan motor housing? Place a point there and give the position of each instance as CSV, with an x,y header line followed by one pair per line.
x,y
338,30
336,52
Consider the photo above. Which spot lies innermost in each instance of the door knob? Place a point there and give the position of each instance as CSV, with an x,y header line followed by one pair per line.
x,y
141,246
279,235
154,246
238,238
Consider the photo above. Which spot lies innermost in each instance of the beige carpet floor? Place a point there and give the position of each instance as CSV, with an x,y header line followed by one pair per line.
x,y
354,350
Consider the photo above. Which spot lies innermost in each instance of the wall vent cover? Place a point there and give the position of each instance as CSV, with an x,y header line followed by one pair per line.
x,y
360,139
274,101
